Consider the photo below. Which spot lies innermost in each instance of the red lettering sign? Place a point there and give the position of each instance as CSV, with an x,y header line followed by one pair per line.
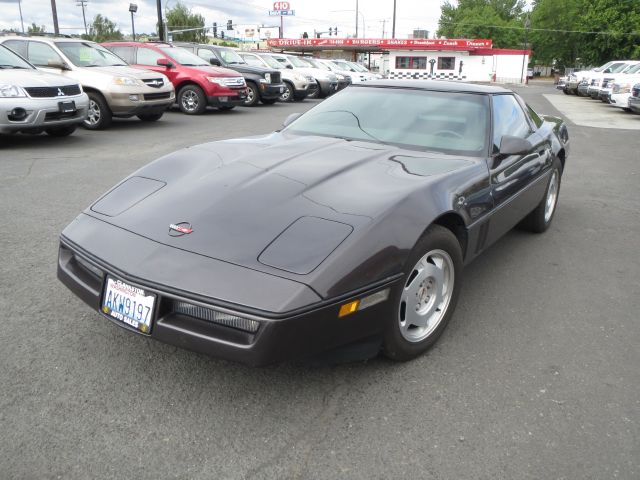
x,y
383,43
281,5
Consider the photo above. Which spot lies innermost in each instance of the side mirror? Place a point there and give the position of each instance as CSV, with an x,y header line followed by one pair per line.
x,y
163,62
514,145
290,67
214,61
290,119
57,64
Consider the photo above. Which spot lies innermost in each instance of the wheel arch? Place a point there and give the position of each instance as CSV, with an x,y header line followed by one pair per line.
x,y
455,224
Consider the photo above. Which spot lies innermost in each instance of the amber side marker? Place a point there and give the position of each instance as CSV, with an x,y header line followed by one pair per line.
x,y
348,308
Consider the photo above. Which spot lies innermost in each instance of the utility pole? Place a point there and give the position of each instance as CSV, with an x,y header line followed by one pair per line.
x,y
21,21
83,3
54,11
357,20
160,22
393,28
384,23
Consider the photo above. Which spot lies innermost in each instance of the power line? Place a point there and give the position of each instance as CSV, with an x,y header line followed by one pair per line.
x,y
540,29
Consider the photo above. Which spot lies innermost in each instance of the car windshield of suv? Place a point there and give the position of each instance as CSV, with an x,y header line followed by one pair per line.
x,y
634,69
298,62
86,54
618,68
447,122
317,64
272,62
230,57
8,59
344,66
359,68
183,57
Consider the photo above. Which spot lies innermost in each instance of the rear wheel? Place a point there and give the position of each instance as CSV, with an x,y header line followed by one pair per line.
x,y
99,115
151,117
287,95
540,219
253,95
426,297
191,100
61,131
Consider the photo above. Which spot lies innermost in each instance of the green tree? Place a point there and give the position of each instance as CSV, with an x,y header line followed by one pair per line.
x,y
621,20
102,29
553,36
34,29
498,20
181,17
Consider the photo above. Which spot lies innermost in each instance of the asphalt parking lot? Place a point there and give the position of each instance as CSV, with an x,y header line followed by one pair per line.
x,y
536,377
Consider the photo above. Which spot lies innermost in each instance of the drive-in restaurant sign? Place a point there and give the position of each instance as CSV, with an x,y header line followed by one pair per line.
x,y
382,43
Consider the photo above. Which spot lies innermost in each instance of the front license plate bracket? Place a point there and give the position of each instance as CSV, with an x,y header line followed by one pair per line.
x,y
128,304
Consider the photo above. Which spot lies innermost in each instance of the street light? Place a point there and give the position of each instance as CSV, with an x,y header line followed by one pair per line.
x,y
527,24
133,8
21,21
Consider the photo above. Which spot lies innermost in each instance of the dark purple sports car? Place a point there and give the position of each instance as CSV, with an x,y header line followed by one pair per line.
x,y
348,227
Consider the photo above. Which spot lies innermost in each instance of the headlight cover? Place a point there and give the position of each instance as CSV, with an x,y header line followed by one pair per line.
x,y
127,82
267,77
11,91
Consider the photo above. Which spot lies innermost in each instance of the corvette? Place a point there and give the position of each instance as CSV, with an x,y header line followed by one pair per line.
x,y
350,226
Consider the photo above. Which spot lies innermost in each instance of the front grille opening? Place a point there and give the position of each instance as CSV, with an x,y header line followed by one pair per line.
x,y
214,316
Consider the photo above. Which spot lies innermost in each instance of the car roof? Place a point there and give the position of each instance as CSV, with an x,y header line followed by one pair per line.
x,y
435,85
47,39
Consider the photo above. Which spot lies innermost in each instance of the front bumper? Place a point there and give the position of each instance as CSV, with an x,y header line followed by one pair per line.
x,y
229,98
271,91
42,113
311,327
151,101
327,87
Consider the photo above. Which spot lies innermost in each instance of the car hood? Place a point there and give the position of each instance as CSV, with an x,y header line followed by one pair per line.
x,y
211,70
34,78
238,196
246,68
119,71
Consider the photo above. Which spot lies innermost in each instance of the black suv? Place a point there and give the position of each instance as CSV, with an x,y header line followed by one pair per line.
x,y
263,84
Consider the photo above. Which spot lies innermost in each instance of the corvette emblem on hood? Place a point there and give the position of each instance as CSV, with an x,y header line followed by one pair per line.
x,y
179,229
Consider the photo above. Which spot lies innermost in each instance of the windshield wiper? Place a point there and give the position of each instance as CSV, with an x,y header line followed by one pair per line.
x,y
12,66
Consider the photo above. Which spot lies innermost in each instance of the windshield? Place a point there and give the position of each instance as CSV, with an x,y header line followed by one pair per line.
x,y
183,57
272,62
317,64
617,68
633,69
358,67
599,69
448,122
343,65
86,54
298,62
8,59
231,57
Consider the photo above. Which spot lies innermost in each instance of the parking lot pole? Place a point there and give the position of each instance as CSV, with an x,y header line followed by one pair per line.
x,y
160,23
54,12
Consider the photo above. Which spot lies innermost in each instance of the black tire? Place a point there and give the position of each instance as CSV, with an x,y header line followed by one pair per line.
x,y
61,131
269,101
538,220
226,108
565,91
289,93
439,241
150,117
253,95
191,100
99,116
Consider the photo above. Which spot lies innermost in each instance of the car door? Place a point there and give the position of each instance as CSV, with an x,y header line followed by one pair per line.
x,y
148,59
517,181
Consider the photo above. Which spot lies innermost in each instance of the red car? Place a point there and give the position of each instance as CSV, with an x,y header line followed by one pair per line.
x,y
198,84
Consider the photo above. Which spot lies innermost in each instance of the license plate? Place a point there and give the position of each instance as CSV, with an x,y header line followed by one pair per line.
x,y
128,304
67,107
224,99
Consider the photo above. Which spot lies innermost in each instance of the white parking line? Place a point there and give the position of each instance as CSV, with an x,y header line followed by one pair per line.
x,y
591,113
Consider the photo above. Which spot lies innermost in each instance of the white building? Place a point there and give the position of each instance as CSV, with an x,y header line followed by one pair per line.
x,y
469,60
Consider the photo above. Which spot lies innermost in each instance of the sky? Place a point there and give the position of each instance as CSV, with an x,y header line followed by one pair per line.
x,y
374,15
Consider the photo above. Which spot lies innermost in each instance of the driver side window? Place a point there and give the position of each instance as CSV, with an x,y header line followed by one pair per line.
x,y
508,119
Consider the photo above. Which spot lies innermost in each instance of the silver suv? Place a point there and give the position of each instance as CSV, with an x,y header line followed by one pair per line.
x,y
114,88
34,102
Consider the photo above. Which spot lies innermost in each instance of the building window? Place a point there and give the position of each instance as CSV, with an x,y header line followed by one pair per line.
x,y
411,63
446,63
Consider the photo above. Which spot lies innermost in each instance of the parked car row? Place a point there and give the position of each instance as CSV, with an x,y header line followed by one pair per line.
x,y
616,83
92,83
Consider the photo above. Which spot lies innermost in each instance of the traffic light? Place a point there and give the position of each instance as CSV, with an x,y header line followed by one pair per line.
x,y
229,25
215,30
222,34
330,31
335,31
305,35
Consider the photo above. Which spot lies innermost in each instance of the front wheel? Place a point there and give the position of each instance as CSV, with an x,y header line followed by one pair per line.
x,y
426,297
99,115
288,94
540,219
191,100
253,95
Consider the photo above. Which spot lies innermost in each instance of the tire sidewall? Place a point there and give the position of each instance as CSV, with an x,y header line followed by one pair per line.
x,y
105,112
255,95
202,105
289,88
394,344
